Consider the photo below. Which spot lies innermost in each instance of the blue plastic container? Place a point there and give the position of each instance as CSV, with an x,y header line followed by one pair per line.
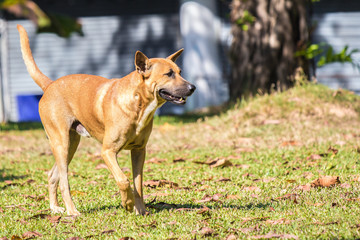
x,y
28,108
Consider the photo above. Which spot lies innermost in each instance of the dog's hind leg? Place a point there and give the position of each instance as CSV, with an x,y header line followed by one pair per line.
x,y
53,179
63,147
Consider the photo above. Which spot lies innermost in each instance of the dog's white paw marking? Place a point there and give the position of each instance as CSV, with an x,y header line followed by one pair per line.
x,y
73,213
140,211
56,209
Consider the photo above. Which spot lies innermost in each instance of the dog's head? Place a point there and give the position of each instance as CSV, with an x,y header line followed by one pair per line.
x,y
163,76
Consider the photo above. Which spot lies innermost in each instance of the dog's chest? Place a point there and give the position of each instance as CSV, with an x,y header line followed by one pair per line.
x,y
146,115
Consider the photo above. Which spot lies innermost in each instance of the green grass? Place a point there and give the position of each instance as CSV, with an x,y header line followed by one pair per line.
x,y
269,140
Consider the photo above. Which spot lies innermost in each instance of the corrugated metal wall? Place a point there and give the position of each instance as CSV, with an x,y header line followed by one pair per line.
x,y
107,49
338,24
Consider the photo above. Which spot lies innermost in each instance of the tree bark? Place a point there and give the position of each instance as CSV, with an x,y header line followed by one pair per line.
x,y
263,55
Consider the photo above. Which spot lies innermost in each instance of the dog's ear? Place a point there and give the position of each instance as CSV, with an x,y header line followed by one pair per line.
x,y
141,62
174,56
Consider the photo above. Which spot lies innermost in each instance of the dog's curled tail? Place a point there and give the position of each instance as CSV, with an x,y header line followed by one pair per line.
x,y
39,78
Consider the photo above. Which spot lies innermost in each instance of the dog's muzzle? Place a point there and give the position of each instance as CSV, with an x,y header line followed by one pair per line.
x,y
179,96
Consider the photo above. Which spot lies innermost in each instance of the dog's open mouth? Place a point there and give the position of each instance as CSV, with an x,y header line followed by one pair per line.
x,y
171,98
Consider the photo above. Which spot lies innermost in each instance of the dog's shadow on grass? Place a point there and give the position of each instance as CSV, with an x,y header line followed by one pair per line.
x,y
5,176
200,208
161,206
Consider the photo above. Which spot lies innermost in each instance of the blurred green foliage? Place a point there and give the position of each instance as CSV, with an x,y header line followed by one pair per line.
x,y
61,25
327,54
245,20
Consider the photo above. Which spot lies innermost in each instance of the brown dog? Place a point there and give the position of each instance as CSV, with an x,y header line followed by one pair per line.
x,y
117,112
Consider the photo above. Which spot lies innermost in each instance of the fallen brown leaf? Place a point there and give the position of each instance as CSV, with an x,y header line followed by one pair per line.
x,y
207,198
356,179
314,157
101,166
325,181
204,210
250,229
252,188
22,221
221,163
206,231
36,198
232,197
183,209
275,235
308,175
231,237
316,204
345,185
334,151
254,195
31,234
271,122
77,193
108,231
266,180
254,218
353,199
292,196
240,150
247,175
54,219
160,183
306,187
290,143
222,179
218,162
93,182
279,221
155,160
152,224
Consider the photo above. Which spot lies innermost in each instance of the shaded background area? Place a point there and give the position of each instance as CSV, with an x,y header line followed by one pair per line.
x,y
115,29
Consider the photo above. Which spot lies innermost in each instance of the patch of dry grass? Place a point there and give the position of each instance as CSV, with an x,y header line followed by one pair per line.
x,y
305,114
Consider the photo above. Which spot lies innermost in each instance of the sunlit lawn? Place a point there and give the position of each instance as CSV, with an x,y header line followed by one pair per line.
x,y
270,149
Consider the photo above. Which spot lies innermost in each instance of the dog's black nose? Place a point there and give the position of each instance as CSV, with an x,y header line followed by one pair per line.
x,y
191,88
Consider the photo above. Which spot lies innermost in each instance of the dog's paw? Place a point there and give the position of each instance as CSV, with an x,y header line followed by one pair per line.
x,y
128,205
73,212
141,211
127,200
56,209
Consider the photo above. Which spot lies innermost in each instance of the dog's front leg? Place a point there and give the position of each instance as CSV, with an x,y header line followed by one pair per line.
x,y
127,196
137,160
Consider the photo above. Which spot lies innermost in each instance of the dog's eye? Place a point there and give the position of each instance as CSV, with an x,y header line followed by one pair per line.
x,y
170,73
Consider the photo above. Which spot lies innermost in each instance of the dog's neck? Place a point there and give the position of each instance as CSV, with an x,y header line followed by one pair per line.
x,y
147,97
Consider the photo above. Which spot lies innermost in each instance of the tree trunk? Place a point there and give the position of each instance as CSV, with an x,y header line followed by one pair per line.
x,y
263,47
